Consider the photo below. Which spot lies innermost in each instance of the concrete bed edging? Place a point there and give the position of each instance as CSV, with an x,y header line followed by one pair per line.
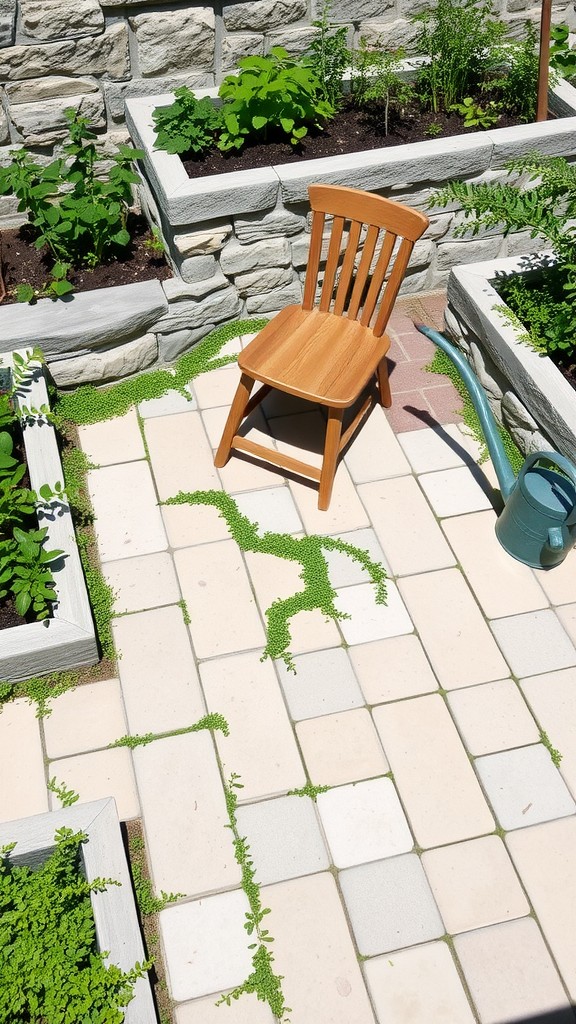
x,y
68,639
525,389
103,856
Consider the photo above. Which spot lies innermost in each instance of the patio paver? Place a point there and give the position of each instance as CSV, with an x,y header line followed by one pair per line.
x,y
323,683
492,717
125,505
534,642
552,697
341,748
96,775
112,441
393,668
86,718
417,986
524,786
364,822
147,581
284,837
21,762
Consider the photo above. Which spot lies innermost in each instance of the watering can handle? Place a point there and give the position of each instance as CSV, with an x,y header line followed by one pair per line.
x,y
564,464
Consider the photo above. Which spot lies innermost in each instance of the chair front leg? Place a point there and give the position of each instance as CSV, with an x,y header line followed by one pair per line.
x,y
235,417
331,450
384,383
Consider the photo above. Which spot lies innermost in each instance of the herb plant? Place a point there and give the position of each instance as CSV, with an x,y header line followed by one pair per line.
x,y
187,124
55,288
50,969
562,55
274,92
518,87
80,216
475,115
379,81
329,56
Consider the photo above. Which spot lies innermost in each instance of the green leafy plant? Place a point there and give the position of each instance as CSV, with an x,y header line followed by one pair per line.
x,y
214,720
155,244
309,790
188,124
273,92
329,56
554,754
562,55
461,39
25,571
545,204
79,214
376,78
518,87
67,797
50,967
475,115
39,690
53,289
433,129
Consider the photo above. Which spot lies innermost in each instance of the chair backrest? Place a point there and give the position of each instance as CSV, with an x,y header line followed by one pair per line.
x,y
358,288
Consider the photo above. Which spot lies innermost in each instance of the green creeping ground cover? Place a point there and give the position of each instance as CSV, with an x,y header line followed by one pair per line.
x,y
317,593
50,971
91,405
441,363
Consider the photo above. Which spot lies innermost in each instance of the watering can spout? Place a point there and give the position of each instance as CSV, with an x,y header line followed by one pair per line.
x,y
504,470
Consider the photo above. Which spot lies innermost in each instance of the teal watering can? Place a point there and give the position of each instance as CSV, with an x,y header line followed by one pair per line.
x,y
538,524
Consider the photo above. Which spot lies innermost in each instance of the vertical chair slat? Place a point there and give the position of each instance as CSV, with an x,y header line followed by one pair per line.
x,y
363,271
347,267
313,260
378,277
393,286
331,263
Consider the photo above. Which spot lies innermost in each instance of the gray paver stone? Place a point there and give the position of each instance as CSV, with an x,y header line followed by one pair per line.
x,y
272,509
284,838
323,684
534,642
524,787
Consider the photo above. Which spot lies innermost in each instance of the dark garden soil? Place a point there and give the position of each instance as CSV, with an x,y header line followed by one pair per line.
x,y
23,263
351,131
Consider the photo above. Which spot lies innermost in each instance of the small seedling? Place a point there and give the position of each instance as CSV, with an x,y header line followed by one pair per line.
x,y
433,129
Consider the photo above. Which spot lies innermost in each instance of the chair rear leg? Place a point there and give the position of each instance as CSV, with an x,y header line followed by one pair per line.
x,y
331,449
235,417
384,383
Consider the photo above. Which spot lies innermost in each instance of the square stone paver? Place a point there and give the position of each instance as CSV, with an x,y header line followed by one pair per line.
x,y
126,508
343,569
405,526
545,857
205,945
418,986
390,904
559,583
552,697
341,748
502,585
97,775
534,642
322,978
511,975
284,838
167,405
524,787
324,683
474,884
454,492
364,822
493,717
180,454
435,779
217,387
393,668
368,620
246,1010
345,513
261,747
272,509
451,627
435,448
113,441
144,582
21,762
86,718
375,453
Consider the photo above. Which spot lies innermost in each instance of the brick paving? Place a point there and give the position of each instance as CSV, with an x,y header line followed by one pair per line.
x,y
435,881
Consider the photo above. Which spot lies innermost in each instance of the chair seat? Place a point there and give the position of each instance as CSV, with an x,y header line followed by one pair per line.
x,y
315,355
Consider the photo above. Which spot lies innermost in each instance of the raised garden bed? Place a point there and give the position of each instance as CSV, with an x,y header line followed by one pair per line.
x,y
527,392
67,640
103,856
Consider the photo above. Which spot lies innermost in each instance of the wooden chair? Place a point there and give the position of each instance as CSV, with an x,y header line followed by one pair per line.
x,y
328,353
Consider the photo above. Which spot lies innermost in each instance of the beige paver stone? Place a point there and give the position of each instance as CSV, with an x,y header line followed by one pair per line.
x,y
345,512
510,973
392,669
552,697
437,784
455,492
274,578
189,849
246,1010
125,505
180,454
375,453
86,718
456,638
407,530
217,387
493,717
435,448
502,585
220,602
113,441
341,748
567,615
474,884
261,747
23,790
545,857
559,584
97,775
159,678
187,525
145,582
322,978
418,986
